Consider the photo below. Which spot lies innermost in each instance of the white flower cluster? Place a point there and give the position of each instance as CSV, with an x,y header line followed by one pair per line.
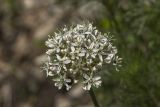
x,y
76,55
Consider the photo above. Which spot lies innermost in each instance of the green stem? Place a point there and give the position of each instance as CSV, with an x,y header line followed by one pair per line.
x,y
91,92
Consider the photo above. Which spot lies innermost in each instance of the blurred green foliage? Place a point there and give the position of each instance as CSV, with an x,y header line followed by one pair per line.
x,y
136,28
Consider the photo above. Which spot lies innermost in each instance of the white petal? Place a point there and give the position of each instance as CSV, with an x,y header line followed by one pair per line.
x,y
87,55
71,70
96,78
88,87
49,73
67,80
86,76
80,26
67,61
81,54
50,51
89,61
87,33
99,64
49,43
72,48
93,55
109,58
58,57
57,50
94,68
90,27
96,32
95,50
65,29
75,81
86,69
60,86
91,46
64,67
74,44
100,57
97,83
67,86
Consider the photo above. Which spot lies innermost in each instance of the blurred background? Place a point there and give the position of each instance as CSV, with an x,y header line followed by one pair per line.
x,y
25,24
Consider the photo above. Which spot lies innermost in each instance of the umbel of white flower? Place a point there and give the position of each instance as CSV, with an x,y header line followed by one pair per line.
x,y
77,54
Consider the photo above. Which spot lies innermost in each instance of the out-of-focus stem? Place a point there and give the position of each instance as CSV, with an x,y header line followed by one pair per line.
x,y
91,92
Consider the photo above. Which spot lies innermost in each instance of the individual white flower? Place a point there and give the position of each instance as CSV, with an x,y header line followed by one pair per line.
x,y
46,67
77,54
90,80
62,80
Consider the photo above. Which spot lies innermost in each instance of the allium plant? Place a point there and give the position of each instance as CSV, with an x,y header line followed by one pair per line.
x,y
77,55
